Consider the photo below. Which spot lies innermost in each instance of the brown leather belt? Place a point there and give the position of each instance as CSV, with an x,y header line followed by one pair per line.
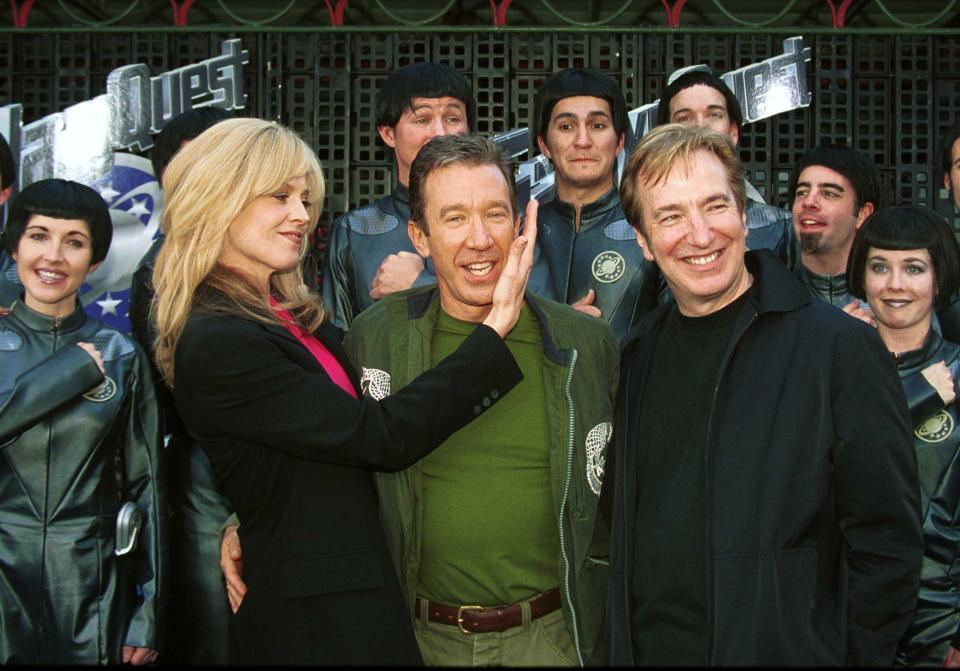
x,y
479,620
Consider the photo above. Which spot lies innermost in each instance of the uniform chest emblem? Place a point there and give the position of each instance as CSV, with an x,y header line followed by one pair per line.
x,y
935,429
102,393
608,267
375,383
597,440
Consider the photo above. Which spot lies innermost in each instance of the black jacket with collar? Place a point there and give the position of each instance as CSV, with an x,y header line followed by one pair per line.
x,y
813,515
294,454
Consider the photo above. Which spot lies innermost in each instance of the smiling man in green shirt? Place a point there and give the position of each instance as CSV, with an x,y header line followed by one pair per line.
x,y
494,535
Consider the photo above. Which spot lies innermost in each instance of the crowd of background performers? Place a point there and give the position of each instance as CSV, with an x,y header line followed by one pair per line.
x,y
659,423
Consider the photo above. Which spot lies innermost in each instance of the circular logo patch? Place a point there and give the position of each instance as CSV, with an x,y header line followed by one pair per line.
x,y
608,267
935,429
102,393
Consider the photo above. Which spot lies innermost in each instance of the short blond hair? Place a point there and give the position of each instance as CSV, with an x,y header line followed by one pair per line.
x,y
661,149
205,186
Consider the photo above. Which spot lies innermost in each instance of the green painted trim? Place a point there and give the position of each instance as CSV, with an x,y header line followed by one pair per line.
x,y
261,23
586,24
422,22
484,29
939,16
98,24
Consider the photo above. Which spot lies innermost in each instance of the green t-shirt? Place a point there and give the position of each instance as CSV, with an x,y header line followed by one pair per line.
x,y
489,533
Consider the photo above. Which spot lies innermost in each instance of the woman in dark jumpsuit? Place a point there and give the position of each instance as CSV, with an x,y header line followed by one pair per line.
x,y
79,437
905,263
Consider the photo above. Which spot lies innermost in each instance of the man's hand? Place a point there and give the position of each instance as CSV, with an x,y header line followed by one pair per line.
x,y
863,313
231,565
953,658
138,656
585,305
93,352
508,295
396,273
939,377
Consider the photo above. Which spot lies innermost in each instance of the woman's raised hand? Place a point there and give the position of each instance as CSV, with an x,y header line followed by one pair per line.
x,y
508,295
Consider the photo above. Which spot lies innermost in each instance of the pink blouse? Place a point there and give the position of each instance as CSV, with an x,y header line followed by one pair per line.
x,y
319,352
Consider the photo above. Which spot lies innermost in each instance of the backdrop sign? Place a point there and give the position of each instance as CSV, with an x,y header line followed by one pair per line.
x,y
81,142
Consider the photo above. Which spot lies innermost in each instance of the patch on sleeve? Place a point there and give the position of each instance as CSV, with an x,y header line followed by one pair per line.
x,y
112,344
371,220
375,383
10,341
597,440
620,230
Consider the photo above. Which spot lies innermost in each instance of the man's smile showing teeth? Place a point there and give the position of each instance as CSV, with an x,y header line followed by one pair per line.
x,y
703,260
479,269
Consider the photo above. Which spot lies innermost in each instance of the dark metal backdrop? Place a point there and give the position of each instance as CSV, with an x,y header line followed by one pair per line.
x,y
889,95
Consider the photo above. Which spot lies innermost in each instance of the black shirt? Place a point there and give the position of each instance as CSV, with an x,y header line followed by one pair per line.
x,y
669,586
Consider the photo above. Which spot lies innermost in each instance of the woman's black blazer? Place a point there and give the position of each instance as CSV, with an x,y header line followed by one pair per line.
x,y
294,453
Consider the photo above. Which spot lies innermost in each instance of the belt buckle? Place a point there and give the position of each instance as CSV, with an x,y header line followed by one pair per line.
x,y
460,616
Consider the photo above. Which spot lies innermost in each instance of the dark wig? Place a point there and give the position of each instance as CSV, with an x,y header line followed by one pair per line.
x,y
579,82
422,80
61,199
181,128
698,78
946,147
8,167
907,227
860,171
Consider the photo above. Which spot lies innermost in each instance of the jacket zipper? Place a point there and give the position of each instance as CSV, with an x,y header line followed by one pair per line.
x,y
708,527
46,501
565,586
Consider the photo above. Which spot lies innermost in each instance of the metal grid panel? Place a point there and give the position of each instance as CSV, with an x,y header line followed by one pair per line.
x,y
831,92
790,142
605,52
373,53
631,70
756,139
531,52
679,52
73,69
523,88
369,182
914,127
6,67
871,119
37,96
571,50
454,50
151,49
36,54
714,50
492,91
269,104
364,145
654,75
410,48
189,48
491,53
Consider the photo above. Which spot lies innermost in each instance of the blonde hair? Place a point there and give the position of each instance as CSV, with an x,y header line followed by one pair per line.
x,y
661,149
206,185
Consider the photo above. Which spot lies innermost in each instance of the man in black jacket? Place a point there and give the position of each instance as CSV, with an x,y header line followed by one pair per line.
x,y
761,490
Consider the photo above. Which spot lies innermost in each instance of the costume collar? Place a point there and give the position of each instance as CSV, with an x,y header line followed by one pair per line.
x,y
591,212
915,359
42,323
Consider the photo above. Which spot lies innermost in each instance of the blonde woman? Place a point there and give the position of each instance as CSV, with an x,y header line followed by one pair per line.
x,y
263,385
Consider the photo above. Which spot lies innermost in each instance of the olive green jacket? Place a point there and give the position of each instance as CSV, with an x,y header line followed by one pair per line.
x,y
390,345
